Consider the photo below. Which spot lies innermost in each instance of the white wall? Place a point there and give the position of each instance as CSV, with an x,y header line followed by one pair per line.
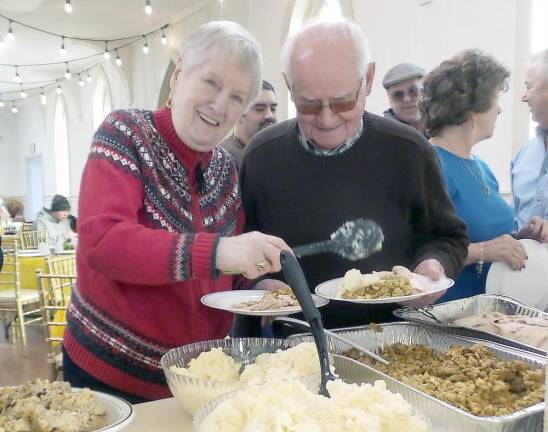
x,y
398,30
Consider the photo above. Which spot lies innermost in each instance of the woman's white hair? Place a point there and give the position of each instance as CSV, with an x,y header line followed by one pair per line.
x,y
227,39
539,61
344,27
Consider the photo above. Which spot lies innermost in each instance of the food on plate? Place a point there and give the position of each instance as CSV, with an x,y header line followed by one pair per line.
x,y
471,378
43,406
528,330
277,299
214,373
68,245
396,283
290,406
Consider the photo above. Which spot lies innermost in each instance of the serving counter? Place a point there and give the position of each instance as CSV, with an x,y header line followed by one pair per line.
x,y
163,415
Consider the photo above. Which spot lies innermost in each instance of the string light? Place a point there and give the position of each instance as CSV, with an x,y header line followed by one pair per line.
x,y
80,80
148,7
118,59
13,107
68,6
22,92
164,39
145,46
10,36
68,75
59,90
88,78
17,77
43,97
106,54
62,50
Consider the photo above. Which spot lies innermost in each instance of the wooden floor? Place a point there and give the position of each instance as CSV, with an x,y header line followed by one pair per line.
x,y
14,367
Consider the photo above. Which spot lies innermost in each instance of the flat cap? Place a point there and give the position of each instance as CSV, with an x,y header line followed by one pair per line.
x,y
402,72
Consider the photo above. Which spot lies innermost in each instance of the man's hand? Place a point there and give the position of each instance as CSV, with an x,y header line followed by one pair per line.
x,y
434,270
536,229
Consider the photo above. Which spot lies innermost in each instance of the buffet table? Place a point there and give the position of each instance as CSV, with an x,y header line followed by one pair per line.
x,y
163,415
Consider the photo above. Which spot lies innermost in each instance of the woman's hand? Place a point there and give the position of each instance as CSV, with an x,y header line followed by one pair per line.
x,y
505,248
536,229
252,254
434,270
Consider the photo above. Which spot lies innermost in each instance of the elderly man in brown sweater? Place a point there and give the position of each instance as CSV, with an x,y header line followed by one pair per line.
x,y
302,178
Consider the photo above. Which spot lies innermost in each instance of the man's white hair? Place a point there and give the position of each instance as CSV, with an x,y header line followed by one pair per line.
x,y
227,39
344,27
539,62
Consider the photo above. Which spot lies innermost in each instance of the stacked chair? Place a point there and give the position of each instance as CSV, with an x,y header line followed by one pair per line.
x,y
55,289
18,307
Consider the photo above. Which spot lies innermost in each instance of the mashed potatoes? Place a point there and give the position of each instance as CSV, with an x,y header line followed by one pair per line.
x,y
214,373
290,406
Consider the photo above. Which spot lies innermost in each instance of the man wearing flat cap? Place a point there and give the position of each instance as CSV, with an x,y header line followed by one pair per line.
x,y
403,87
55,221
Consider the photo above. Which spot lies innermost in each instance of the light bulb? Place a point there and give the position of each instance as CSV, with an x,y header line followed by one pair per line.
x,y
106,55
17,77
10,36
118,59
88,78
80,80
59,90
145,48
14,108
164,39
43,99
148,7
22,93
68,6
68,75
62,50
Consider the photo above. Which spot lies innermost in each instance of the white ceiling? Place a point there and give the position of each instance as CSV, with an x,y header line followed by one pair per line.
x,y
95,19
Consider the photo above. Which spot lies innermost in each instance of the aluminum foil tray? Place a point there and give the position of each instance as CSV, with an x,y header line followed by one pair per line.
x,y
441,315
440,415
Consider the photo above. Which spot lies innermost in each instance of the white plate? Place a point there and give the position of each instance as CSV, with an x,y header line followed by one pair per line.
x,y
30,253
529,285
226,300
65,252
119,412
331,288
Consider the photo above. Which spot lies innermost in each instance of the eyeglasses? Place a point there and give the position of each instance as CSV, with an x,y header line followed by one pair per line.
x,y
413,92
315,107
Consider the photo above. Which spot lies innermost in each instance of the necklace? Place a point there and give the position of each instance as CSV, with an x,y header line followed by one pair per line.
x,y
481,180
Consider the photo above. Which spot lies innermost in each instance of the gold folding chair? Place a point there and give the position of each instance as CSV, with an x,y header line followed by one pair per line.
x,y
31,239
55,292
20,306
61,264
27,226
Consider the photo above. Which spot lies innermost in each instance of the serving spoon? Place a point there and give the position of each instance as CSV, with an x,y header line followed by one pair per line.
x,y
295,278
353,240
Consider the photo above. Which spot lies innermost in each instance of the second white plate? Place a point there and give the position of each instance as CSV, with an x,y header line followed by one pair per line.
x,y
226,300
331,289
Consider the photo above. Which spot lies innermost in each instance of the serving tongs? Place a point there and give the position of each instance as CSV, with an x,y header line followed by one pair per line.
x,y
425,311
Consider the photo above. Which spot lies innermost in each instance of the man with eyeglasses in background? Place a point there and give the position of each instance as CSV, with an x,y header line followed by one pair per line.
x,y
260,115
303,178
403,85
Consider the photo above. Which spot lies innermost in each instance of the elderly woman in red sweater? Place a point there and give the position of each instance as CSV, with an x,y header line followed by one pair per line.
x,y
160,222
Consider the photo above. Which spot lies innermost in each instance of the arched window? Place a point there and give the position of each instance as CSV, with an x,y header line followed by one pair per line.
x,y
539,37
102,102
61,146
328,10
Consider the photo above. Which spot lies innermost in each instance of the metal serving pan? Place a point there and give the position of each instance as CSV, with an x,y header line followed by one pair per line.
x,y
440,415
441,315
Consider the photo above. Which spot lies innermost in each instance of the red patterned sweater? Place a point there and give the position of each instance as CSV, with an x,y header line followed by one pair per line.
x,y
150,213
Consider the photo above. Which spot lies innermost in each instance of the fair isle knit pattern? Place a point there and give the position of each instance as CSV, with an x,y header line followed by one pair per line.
x,y
130,141
119,347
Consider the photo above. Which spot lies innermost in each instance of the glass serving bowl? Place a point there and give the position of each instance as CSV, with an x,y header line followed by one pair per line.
x,y
191,392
